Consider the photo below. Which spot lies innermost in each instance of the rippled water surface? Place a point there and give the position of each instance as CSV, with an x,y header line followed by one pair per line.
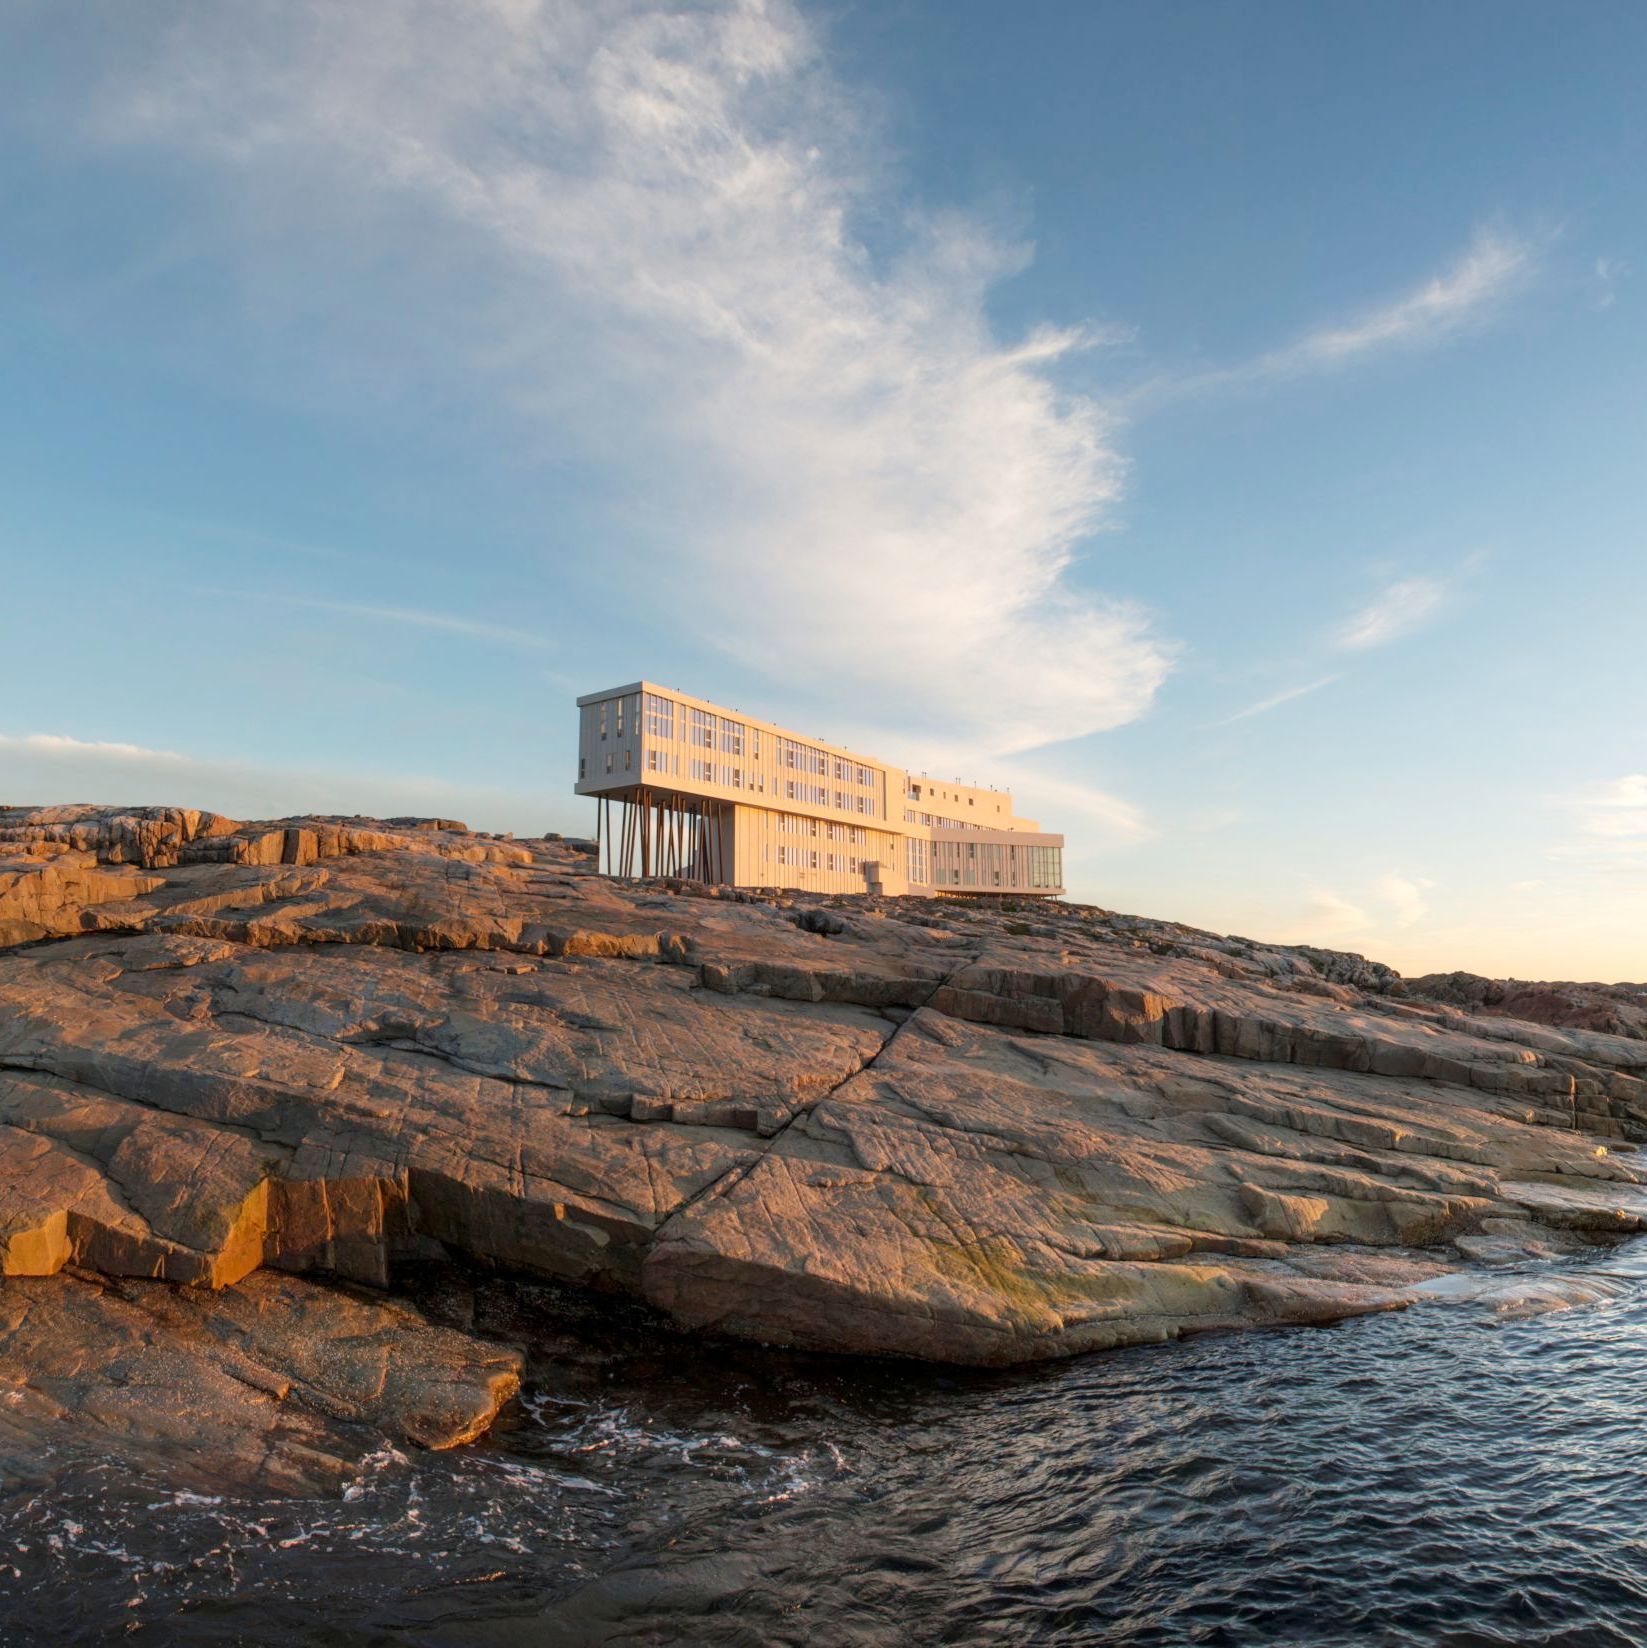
x,y
1431,1477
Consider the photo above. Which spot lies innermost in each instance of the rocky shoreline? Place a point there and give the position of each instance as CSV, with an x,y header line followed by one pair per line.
x,y
247,1068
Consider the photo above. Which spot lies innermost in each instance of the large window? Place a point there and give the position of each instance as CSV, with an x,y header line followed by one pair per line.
x,y
1045,865
660,716
918,869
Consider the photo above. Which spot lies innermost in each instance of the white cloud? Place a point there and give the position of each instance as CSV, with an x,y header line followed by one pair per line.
x,y
476,628
51,744
1467,293
1275,700
1403,606
872,483
1405,897
1399,609
47,768
1438,308
1081,810
1611,827
1327,917
1331,917
1617,809
1085,811
1608,272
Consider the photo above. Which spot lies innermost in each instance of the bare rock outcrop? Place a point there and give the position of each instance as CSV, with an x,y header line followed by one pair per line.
x,y
918,1128
1616,1009
277,1385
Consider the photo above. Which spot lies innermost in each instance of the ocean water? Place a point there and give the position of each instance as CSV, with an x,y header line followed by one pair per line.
x,y
1440,1476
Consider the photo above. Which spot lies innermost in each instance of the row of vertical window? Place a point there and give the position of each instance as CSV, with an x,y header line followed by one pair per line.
x,y
936,821
808,858
808,758
792,824
660,716
820,795
997,865
618,714
706,730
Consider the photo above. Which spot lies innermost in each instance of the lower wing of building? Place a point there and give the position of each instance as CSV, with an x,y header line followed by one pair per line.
x,y
689,788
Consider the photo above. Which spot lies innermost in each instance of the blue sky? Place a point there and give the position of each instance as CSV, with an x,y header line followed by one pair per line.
x,y
1223,423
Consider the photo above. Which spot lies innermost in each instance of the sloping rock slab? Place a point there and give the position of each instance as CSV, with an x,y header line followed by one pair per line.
x,y
278,1385
917,1127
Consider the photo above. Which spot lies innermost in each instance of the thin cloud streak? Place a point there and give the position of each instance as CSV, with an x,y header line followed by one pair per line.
x,y
476,628
1330,916
59,745
1469,292
1608,272
1405,606
1460,296
1276,700
124,774
1611,827
1327,915
1052,798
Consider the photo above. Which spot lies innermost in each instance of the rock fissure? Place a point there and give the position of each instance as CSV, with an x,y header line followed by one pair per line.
x,y
917,1128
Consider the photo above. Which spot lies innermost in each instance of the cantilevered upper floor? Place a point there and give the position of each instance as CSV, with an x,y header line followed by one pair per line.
x,y
771,807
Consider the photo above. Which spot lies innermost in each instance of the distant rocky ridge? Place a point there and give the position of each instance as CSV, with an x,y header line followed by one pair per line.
x,y
1616,1009
280,1056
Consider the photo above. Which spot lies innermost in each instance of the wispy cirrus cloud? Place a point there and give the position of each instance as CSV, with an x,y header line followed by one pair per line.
x,y
1609,271
1609,826
1404,897
1277,699
882,488
1617,808
49,767
1406,605
1462,295
1326,917
59,745
416,618
1403,606
1467,293
1392,902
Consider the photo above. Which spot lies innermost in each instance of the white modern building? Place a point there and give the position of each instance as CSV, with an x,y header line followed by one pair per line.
x,y
684,787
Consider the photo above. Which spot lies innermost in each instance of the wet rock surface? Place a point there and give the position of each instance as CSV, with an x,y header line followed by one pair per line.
x,y
235,1054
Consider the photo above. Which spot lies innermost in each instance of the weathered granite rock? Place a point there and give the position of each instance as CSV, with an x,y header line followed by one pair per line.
x,y
914,1127
277,1385
1617,1009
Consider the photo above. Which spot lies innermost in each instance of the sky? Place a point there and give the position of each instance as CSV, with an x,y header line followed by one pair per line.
x,y
1224,424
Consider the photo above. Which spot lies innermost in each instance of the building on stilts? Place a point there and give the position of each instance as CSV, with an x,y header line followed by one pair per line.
x,y
687,788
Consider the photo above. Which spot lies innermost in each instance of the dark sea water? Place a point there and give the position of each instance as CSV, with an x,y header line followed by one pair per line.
x,y
1433,1477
